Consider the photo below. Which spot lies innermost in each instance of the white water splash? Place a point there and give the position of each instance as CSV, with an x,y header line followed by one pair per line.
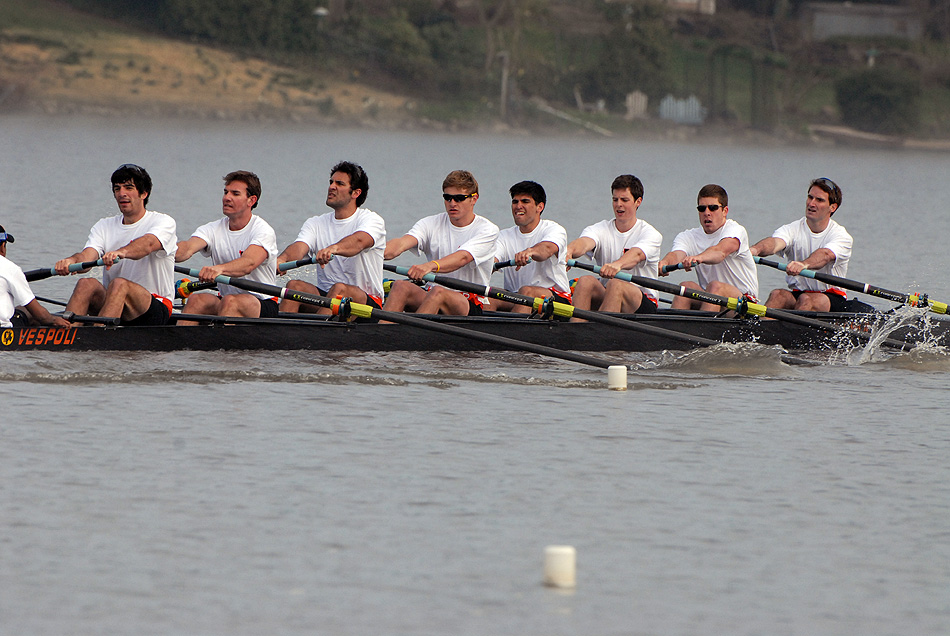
x,y
915,322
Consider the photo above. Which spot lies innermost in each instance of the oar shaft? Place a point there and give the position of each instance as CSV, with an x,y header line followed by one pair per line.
x,y
735,303
365,311
47,272
560,309
844,283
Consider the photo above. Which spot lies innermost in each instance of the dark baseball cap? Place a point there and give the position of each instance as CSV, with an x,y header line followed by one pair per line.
x,y
5,237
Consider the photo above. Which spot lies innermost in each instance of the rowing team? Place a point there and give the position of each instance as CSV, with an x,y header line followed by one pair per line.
x,y
139,249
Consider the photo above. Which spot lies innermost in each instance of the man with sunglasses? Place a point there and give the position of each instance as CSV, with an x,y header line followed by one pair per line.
x,y
18,306
241,244
537,247
137,247
459,242
621,243
814,242
718,250
347,243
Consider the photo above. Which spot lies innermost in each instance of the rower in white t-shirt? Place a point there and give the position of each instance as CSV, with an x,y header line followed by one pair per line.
x,y
718,250
347,243
459,241
815,242
537,247
137,247
624,243
18,306
241,245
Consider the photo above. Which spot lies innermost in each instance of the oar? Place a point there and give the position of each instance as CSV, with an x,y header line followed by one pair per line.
x,y
738,305
283,267
44,272
50,301
914,300
559,309
365,311
672,268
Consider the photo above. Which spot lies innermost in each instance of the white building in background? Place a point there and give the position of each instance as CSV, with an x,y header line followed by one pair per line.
x,y
824,20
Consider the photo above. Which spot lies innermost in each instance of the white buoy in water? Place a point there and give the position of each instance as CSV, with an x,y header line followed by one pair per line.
x,y
617,377
560,566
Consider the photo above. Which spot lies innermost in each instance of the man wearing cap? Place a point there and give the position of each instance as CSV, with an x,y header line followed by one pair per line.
x,y
137,247
18,305
814,242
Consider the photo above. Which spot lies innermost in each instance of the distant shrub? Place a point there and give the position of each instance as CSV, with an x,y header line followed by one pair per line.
x,y
880,101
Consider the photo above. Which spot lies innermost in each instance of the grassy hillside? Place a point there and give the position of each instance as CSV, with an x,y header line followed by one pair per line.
x,y
58,60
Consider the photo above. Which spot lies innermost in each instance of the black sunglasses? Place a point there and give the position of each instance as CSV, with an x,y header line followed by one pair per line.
x,y
712,208
458,198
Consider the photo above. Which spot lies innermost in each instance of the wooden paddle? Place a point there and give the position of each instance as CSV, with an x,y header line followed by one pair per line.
x,y
44,272
365,311
739,305
914,300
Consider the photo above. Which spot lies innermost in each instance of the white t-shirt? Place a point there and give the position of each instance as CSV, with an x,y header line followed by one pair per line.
x,y
801,242
364,270
611,244
550,273
737,269
14,290
226,245
155,272
438,238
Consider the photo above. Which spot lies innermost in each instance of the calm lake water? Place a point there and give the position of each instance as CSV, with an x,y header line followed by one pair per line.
x,y
248,493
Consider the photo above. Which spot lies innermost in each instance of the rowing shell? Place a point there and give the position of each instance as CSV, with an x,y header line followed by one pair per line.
x,y
330,335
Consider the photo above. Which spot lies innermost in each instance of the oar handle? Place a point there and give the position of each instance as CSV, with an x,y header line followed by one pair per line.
x,y
47,272
184,288
807,273
283,267
509,263
672,268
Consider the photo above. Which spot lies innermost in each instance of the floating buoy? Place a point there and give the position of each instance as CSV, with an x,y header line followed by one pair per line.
x,y
617,377
560,565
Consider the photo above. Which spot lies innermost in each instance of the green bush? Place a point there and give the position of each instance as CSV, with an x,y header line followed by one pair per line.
x,y
880,101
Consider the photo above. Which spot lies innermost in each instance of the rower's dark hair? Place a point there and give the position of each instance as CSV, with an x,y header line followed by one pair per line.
x,y
461,179
628,182
358,179
250,181
532,188
713,190
137,175
830,188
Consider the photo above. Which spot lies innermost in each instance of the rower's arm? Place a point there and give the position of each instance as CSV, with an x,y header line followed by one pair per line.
x,y
88,254
348,246
135,250
818,259
293,252
674,257
397,246
39,314
250,260
450,263
716,253
187,249
768,246
629,260
578,247
539,252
